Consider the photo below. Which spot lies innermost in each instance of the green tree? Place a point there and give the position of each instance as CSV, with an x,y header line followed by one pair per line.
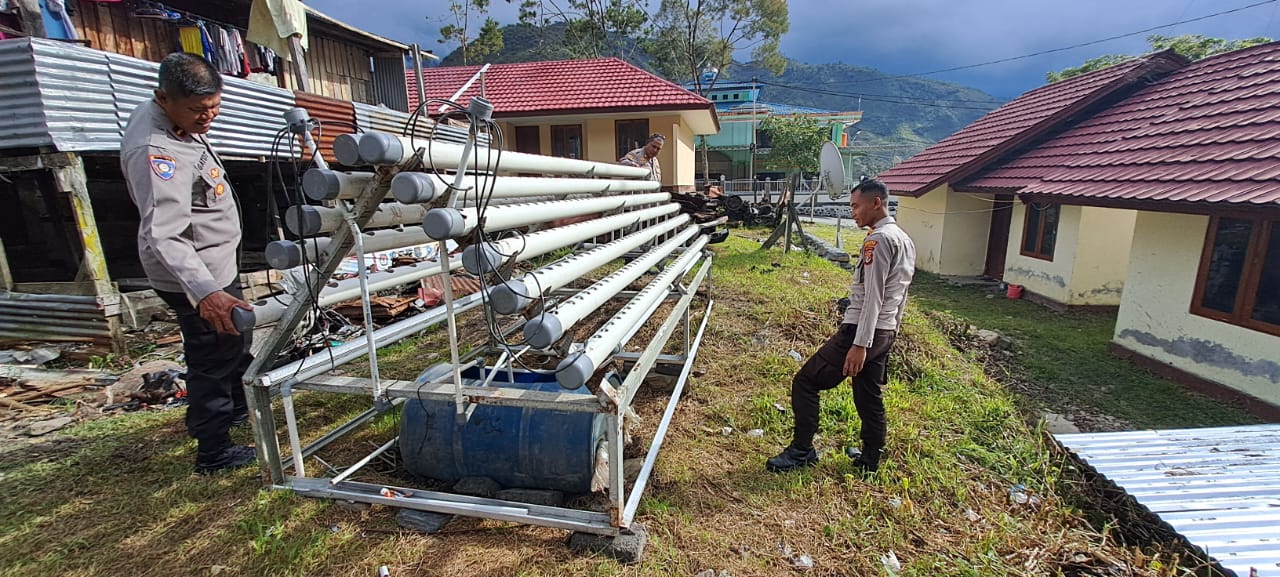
x,y
797,141
459,30
1192,46
690,36
593,28
489,41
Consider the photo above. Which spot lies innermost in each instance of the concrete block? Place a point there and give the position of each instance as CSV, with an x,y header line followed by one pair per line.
x,y
627,549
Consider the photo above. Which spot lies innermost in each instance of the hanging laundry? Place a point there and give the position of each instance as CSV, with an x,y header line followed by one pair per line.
x,y
239,53
272,22
210,51
190,39
57,23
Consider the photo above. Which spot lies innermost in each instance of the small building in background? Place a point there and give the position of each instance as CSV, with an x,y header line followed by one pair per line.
x,y
595,109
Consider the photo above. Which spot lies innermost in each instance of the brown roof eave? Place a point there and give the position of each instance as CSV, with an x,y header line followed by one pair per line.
x,y
1160,63
1243,210
600,110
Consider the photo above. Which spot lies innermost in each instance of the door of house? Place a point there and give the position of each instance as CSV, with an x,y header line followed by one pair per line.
x,y
998,241
528,140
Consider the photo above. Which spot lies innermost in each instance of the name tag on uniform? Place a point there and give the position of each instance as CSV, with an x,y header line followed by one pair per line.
x,y
163,166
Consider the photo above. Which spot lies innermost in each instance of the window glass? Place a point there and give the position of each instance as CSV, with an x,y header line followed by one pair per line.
x,y
1267,306
1032,231
1226,264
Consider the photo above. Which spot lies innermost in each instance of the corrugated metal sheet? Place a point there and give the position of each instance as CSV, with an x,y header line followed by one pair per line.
x,y
336,117
78,99
383,119
388,83
251,115
1218,487
55,94
52,318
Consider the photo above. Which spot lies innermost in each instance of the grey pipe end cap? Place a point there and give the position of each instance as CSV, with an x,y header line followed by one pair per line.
x,y
574,370
346,150
481,259
543,330
444,223
413,187
321,184
381,148
303,220
509,297
284,254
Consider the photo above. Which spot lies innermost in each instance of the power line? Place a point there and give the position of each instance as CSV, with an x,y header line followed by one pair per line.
x,y
1065,48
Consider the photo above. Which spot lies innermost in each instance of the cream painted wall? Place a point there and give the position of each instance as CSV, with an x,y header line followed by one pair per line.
x,y
685,153
598,138
1154,318
964,238
1090,259
922,218
1102,256
1050,279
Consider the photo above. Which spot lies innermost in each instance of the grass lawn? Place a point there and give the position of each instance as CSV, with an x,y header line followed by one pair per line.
x,y
115,496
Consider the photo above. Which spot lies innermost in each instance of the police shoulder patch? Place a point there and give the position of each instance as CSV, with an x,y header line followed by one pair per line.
x,y
164,166
868,250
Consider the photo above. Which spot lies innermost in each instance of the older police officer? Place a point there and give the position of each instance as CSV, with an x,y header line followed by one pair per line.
x,y
860,348
188,241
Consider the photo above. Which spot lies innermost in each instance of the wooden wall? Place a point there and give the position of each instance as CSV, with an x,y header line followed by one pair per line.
x,y
109,26
338,69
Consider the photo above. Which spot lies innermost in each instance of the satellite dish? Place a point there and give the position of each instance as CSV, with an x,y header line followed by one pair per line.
x,y
831,170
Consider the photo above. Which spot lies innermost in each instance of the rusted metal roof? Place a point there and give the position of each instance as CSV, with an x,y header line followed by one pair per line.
x,y
1207,133
336,117
1022,120
1218,487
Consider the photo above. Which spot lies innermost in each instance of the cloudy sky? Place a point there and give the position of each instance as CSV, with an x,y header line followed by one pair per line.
x,y
915,36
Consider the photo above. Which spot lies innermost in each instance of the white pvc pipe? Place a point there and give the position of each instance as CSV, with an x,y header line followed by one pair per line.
x,y
381,148
516,294
287,254
444,223
416,187
575,369
488,256
312,220
547,328
324,184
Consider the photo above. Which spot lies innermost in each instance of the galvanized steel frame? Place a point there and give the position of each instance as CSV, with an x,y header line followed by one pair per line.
x,y
262,385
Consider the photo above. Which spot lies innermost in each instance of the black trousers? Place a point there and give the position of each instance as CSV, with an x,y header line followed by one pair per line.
x,y
215,366
825,370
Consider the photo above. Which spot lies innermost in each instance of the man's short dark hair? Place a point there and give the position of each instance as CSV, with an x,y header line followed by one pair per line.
x,y
183,75
656,136
873,187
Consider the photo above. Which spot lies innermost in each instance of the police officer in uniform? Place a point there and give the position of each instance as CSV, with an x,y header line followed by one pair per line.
x,y
188,242
860,348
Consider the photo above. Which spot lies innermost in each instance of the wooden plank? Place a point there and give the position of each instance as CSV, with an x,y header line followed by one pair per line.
x,y
138,34
106,30
122,30
89,27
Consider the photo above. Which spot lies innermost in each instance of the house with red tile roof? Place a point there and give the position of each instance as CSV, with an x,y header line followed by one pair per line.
x,y
595,109
1194,157
1065,256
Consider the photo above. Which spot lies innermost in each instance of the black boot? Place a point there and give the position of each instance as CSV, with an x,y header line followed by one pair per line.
x,y
792,458
868,460
232,457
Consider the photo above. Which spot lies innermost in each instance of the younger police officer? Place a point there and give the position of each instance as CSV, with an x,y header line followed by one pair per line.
x,y
860,348
188,242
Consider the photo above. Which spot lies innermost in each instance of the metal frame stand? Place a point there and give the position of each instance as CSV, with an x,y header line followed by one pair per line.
x,y
263,384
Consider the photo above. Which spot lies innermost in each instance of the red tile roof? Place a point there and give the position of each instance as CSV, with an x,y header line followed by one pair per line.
x,y
559,87
1021,120
1208,133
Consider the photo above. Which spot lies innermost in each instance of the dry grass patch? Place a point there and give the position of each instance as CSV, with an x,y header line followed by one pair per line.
x,y
116,497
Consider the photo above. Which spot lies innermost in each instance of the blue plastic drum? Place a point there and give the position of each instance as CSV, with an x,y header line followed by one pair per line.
x,y
514,446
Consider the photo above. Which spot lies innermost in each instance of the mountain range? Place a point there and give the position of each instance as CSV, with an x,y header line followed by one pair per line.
x,y
901,115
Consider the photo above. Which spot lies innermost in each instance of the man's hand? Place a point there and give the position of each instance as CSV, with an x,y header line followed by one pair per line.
x,y
216,308
854,360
